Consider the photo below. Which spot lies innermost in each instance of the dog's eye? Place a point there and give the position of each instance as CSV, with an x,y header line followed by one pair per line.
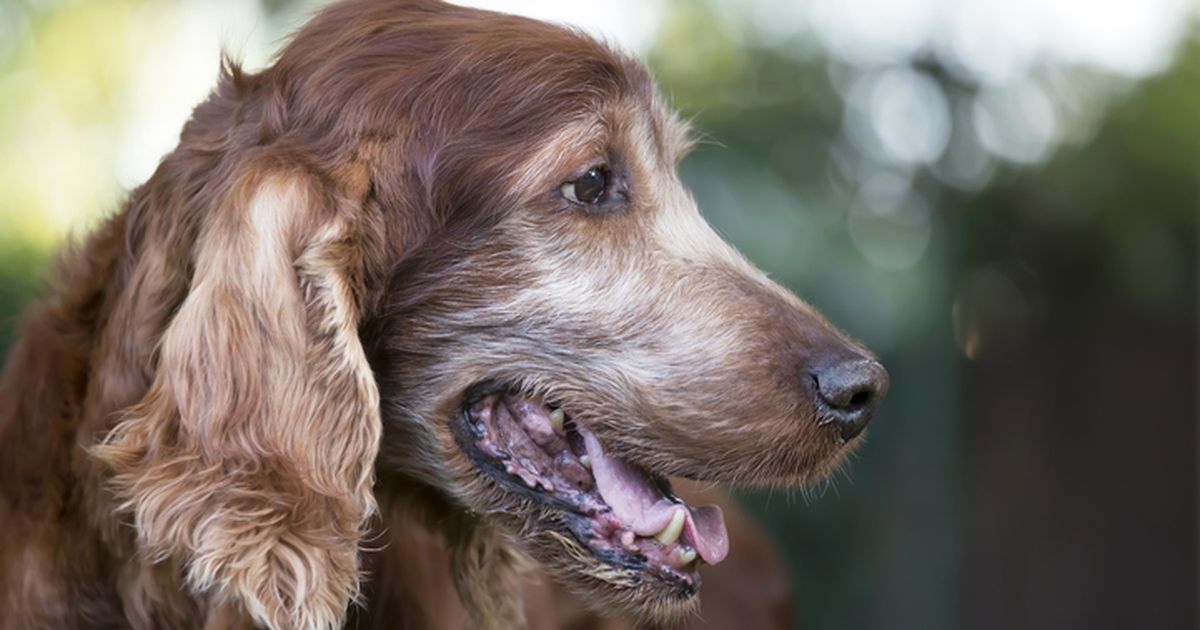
x,y
588,189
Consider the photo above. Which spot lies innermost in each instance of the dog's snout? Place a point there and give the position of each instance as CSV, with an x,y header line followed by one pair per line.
x,y
849,392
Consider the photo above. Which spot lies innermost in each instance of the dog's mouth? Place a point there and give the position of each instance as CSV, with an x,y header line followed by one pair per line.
x,y
623,514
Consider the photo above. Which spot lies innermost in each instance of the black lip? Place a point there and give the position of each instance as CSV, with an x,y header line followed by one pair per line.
x,y
487,387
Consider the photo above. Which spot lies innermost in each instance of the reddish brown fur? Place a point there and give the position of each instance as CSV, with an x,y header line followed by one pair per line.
x,y
189,426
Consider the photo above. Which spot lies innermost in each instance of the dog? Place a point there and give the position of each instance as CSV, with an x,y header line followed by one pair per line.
x,y
432,273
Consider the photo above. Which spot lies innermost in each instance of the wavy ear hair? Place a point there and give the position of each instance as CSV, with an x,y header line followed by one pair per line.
x,y
251,456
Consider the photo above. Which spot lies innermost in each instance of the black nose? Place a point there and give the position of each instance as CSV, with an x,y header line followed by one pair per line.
x,y
849,393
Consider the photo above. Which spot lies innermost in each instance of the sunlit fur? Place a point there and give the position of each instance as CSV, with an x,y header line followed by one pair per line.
x,y
276,332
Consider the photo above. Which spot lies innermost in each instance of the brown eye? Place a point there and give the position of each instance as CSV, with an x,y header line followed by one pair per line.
x,y
589,188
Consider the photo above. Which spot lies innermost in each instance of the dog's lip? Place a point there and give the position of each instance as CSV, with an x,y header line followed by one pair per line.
x,y
639,500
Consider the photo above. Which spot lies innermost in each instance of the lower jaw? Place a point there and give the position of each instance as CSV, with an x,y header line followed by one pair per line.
x,y
559,510
613,581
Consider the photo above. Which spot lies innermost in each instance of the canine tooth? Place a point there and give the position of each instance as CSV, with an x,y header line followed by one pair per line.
x,y
687,556
585,461
671,532
556,420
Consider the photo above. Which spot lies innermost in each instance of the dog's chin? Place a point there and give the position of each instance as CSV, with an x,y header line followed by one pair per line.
x,y
606,528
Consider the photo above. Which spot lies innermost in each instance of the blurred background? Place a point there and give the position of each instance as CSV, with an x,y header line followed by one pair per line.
x,y
1000,197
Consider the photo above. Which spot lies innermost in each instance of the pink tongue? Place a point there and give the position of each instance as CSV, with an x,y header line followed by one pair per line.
x,y
637,501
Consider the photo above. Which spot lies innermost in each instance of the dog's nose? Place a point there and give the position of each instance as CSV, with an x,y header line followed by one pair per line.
x,y
849,392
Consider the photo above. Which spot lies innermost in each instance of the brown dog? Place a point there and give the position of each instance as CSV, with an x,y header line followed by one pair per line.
x,y
434,264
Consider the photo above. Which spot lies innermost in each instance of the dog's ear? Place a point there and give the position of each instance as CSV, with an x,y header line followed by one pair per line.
x,y
251,456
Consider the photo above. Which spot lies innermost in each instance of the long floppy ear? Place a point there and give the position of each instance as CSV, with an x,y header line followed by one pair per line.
x,y
251,456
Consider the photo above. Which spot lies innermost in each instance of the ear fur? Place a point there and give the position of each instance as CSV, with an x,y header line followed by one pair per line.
x,y
251,457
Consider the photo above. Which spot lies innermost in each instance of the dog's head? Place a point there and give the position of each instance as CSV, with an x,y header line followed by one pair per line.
x,y
552,329
572,332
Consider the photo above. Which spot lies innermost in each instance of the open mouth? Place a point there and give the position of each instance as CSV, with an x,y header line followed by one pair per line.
x,y
623,514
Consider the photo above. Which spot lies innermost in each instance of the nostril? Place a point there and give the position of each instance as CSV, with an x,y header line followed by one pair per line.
x,y
848,393
850,385
859,399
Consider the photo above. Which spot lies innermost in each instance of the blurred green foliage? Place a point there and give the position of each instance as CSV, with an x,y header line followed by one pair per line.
x,y
22,268
1108,221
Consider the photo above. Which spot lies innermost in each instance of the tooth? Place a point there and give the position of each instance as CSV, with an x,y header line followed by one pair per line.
x,y
556,419
687,556
585,461
671,532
